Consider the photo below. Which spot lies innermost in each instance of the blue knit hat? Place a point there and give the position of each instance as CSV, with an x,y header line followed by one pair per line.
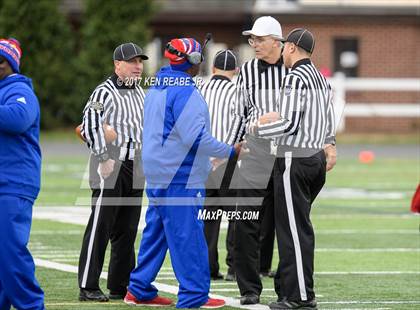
x,y
10,49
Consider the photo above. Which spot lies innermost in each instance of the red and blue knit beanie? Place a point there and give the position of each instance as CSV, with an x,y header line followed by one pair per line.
x,y
10,49
184,45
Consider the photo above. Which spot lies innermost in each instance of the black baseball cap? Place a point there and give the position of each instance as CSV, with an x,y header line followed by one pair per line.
x,y
127,51
225,60
302,38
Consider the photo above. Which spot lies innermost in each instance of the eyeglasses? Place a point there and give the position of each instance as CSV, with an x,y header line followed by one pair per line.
x,y
259,40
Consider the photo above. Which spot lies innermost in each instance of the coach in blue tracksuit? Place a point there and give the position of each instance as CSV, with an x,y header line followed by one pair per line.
x,y
176,149
20,164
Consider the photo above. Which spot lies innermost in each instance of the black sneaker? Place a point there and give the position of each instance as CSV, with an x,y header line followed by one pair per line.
x,y
92,295
250,300
285,304
116,295
217,276
230,277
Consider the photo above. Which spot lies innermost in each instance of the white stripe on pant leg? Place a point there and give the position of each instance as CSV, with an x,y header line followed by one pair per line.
x,y
93,232
292,223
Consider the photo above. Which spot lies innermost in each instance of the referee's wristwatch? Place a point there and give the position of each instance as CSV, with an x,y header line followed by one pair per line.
x,y
102,157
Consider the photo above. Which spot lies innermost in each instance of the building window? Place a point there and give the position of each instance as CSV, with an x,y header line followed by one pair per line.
x,y
346,56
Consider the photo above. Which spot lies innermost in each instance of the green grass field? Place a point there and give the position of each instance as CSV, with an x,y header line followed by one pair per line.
x,y
367,242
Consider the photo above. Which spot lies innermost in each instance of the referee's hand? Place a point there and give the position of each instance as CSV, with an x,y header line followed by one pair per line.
x,y
269,118
106,168
237,147
331,155
240,149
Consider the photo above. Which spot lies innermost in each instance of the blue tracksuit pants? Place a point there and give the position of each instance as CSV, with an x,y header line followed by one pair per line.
x,y
18,286
172,223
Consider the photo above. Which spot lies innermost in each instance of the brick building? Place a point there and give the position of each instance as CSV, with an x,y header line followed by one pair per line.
x,y
361,38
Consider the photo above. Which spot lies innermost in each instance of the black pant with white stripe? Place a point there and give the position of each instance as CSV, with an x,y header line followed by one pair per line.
x,y
297,182
116,207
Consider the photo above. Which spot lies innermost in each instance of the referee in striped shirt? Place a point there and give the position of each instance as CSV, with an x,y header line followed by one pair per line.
x,y
258,90
116,177
219,94
303,127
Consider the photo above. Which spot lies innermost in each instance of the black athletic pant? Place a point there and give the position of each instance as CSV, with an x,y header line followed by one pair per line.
x,y
217,189
297,182
116,208
254,183
267,235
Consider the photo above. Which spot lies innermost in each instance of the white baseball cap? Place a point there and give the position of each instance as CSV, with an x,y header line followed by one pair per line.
x,y
265,26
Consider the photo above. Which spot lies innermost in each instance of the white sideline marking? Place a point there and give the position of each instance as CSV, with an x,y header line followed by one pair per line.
x,y
374,302
368,250
229,301
42,255
332,273
111,303
166,273
275,296
227,283
160,286
358,250
224,290
358,193
406,216
35,250
366,231
57,232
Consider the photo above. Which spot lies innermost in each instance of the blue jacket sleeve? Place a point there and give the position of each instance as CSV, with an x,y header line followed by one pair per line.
x,y
19,110
191,123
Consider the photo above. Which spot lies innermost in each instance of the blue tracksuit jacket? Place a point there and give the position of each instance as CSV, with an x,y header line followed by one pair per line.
x,y
176,134
20,154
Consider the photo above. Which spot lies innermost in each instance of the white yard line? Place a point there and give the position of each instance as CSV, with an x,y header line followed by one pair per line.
x,y
359,250
226,283
407,216
160,286
232,301
167,273
332,273
57,232
373,302
111,303
367,250
413,231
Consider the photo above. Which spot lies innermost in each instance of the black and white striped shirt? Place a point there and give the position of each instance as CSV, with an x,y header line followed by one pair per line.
x,y
258,91
306,110
122,108
219,94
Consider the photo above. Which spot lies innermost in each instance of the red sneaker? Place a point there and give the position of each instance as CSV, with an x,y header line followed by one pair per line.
x,y
213,303
158,301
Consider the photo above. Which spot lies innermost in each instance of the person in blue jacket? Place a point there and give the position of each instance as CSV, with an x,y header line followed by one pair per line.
x,y
20,165
176,147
